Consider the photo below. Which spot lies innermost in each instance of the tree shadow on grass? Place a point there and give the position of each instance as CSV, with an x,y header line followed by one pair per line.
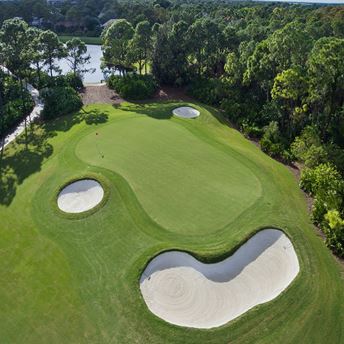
x,y
20,161
153,109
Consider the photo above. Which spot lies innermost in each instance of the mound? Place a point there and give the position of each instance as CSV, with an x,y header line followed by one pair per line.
x,y
183,291
186,112
80,196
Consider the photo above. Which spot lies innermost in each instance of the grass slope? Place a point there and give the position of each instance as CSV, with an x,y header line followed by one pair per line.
x,y
75,279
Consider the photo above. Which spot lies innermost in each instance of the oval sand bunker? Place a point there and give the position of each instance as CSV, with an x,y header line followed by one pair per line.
x,y
80,196
186,112
183,291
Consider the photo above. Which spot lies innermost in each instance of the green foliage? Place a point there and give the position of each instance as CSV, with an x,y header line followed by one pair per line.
x,y
74,80
252,131
169,60
334,230
59,101
116,39
209,91
132,86
308,149
327,186
321,179
273,143
76,56
15,103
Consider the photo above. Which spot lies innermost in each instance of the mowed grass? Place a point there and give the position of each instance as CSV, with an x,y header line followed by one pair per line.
x,y
85,39
194,185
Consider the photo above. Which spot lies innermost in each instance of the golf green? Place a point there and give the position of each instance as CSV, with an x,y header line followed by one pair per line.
x,y
170,184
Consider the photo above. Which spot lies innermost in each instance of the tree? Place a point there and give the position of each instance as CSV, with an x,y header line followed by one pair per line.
x,y
15,54
206,42
286,48
115,44
36,52
308,148
2,114
289,90
169,61
52,50
76,56
141,45
326,78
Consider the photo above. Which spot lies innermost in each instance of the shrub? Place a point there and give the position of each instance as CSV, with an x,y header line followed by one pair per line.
x,y
209,91
323,178
334,230
307,148
75,81
251,130
133,86
16,104
59,101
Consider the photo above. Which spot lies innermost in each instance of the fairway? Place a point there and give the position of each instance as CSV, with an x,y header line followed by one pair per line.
x,y
170,184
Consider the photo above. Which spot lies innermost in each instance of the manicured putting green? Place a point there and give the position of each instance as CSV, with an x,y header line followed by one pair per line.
x,y
183,182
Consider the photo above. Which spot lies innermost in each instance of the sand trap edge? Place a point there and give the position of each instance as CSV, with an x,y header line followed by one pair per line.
x,y
101,179
213,260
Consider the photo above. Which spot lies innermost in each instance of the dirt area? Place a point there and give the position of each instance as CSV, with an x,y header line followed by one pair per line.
x,y
171,93
100,94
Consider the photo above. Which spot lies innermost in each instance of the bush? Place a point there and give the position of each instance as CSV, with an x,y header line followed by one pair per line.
x,y
334,230
307,148
251,131
209,91
16,104
75,81
133,86
59,101
323,178
327,186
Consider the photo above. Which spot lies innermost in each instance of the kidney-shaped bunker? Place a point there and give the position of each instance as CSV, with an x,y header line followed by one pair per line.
x,y
183,291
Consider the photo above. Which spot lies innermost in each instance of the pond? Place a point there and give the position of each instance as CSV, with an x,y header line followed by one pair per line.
x,y
89,78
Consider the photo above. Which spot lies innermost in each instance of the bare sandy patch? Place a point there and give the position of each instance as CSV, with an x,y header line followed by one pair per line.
x,y
183,291
80,196
186,112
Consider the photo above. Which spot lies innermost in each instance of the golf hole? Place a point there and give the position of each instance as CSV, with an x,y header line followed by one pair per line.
x,y
80,196
186,112
183,291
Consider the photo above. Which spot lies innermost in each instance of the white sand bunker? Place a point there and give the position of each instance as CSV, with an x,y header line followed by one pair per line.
x,y
186,112
80,196
183,291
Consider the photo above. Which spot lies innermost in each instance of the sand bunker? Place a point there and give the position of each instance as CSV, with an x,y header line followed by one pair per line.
x,y
80,196
186,112
183,291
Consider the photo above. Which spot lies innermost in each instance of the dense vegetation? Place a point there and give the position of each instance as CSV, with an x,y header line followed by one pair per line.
x,y
14,102
133,86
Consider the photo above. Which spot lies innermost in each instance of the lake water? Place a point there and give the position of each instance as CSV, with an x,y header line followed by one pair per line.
x,y
89,78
